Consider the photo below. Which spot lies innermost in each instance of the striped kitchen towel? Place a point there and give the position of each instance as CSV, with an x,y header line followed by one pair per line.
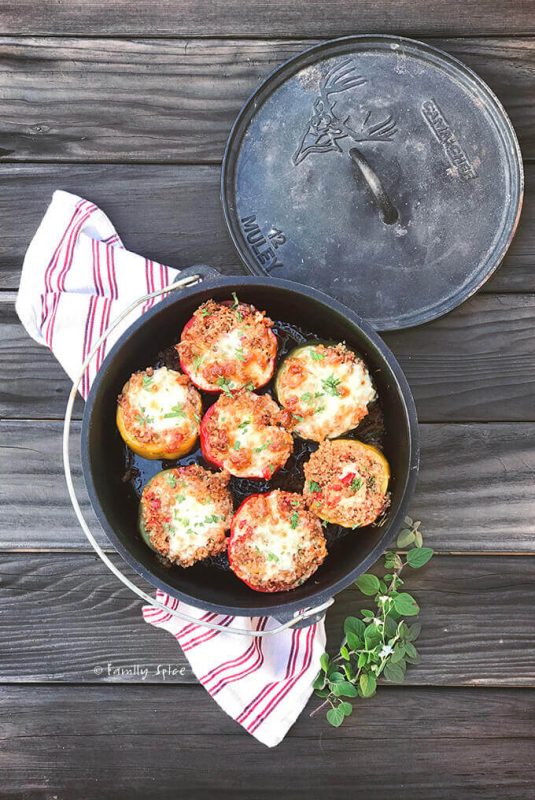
x,y
77,277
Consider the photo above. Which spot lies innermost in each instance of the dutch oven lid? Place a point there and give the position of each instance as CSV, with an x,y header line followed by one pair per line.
x,y
378,169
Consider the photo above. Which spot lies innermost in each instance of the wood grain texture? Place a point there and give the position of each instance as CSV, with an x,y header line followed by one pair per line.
x,y
66,618
172,214
174,100
475,365
475,490
134,742
278,18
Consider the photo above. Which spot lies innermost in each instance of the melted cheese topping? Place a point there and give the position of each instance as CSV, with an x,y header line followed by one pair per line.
x,y
326,395
160,402
185,513
274,548
194,523
244,435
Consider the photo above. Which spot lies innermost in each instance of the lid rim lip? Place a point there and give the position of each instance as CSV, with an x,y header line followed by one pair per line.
x,y
515,160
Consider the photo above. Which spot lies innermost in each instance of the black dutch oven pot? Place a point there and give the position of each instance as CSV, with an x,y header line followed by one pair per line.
x,y
116,505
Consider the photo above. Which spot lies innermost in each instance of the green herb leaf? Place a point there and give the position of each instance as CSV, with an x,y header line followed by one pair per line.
x,y
368,584
147,381
236,302
237,445
197,362
346,708
345,689
355,484
294,520
368,684
331,384
240,354
225,385
314,487
171,480
406,605
354,641
418,539
335,717
413,632
419,556
324,661
176,411
393,672
405,538
354,625
315,355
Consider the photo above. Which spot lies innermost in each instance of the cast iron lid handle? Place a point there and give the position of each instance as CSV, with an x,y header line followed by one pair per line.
x,y
389,212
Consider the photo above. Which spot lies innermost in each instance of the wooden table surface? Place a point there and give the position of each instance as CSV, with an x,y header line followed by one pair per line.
x,y
129,104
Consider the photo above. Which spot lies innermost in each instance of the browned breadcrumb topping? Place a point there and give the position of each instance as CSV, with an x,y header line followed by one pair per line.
x,y
344,483
176,486
285,514
138,421
246,434
208,360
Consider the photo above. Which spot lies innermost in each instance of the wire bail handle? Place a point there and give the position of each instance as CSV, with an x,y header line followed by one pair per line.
x,y
180,283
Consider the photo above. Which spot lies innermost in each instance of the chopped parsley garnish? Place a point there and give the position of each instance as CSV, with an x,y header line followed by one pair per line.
x,y
306,397
272,557
249,386
205,312
298,418
176,411
224,384
261,447
331,384
313,486
371,481
294,520
315,356
147,381
171,480
197,362
355,484
143,418
324,523
244,424
240,354
237,445
212,518
319,409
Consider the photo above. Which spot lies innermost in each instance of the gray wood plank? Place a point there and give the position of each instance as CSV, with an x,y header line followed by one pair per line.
x,y
475,365
133,742
65,618
175,100
173,214
474,492
278,18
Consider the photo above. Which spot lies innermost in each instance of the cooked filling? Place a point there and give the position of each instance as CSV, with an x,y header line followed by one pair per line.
x,y
327,388
228,346
346,482
276,544
160,410
185,512
245,435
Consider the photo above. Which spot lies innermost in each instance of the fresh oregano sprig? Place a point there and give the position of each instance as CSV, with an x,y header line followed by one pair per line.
x,y
379,642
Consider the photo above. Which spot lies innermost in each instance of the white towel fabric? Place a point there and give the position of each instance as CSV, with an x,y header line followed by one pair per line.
x,y
77,277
